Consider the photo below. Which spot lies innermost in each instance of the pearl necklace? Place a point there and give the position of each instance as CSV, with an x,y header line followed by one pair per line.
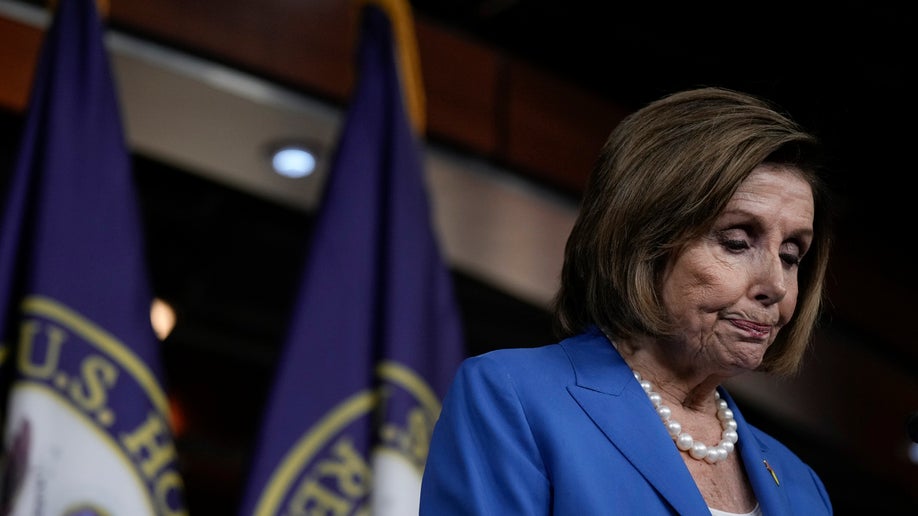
x,y
684,441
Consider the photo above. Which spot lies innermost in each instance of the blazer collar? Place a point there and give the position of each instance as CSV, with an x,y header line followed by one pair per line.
x,y
606,390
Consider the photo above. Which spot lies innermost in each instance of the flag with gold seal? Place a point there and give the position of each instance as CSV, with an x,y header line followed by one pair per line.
x,y
86,426
375,334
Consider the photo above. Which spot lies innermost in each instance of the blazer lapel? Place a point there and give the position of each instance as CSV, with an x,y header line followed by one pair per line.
x,y
765,480
607,391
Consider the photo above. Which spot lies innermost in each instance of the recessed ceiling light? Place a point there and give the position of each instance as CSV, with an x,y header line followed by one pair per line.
x,y
293,160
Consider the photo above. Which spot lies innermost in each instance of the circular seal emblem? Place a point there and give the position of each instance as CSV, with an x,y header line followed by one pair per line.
x,y
367,453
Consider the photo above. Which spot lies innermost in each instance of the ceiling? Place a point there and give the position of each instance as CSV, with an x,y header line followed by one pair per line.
x,y
845,70
227,253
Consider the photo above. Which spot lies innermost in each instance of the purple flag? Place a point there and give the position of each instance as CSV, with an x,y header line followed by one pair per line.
x,y
375,335
86,427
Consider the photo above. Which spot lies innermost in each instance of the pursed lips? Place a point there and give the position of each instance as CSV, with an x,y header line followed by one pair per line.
x,y
751,327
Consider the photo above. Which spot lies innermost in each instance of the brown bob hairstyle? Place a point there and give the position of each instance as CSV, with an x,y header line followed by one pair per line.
x,y
663,176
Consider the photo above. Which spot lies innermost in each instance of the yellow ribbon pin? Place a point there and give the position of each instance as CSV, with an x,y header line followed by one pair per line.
x,y
773,475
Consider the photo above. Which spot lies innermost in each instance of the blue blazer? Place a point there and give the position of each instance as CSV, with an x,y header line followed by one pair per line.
x,y
565,429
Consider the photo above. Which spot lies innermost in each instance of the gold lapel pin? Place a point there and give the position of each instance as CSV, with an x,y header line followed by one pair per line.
x,y
768,467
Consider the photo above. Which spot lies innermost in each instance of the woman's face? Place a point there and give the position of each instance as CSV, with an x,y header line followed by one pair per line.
x,y
733,289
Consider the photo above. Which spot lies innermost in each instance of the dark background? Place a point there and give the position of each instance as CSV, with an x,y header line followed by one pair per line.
x,y
228,261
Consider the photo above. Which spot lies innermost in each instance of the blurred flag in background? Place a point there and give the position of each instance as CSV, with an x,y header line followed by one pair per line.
x,y
86,417
376,334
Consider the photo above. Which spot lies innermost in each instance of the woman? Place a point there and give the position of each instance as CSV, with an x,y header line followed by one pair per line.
x,y
699,253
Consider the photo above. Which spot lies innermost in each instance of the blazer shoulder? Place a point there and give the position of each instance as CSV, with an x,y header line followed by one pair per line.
x,y
517,362
543,358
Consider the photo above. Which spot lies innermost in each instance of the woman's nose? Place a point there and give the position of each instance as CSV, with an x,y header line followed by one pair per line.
x,y
771,279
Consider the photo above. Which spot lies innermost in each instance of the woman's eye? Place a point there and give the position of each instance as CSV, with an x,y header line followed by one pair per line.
x,y
790,259
736,245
